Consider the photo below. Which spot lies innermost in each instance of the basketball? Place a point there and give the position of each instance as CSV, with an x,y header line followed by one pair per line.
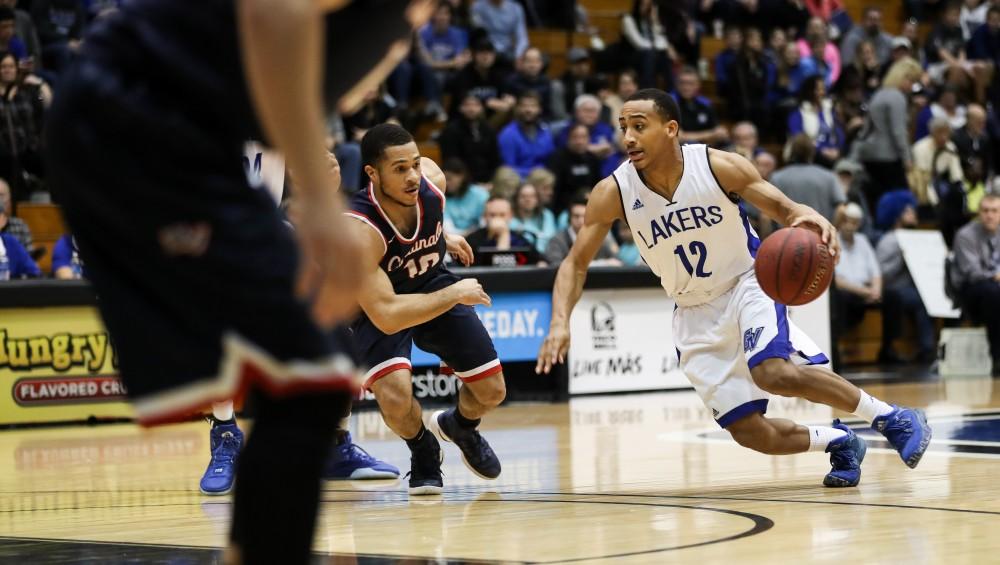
x,y
793,266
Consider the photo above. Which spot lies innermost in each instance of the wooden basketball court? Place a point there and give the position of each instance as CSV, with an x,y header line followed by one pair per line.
x,y
625,479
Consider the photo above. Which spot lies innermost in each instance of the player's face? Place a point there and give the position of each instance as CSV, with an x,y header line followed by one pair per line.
x,y
398,174
644,133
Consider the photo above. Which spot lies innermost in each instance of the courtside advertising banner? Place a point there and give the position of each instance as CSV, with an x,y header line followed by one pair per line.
x,y
57,364
622,340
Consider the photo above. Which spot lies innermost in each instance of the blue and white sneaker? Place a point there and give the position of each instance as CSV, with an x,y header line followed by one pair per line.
x,y
226,440
907,432
846,455
347,461
477,454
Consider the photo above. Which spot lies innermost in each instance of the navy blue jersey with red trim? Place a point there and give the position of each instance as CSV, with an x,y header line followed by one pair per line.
x,y
413,261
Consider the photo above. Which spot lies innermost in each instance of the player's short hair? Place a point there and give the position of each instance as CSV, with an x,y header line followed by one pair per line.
x,y
664,103
375,141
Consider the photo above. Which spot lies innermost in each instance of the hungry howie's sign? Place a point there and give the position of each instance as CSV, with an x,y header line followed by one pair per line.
x,y
59,365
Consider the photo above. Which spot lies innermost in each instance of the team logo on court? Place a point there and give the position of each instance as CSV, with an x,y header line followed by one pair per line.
x,y
602,325
750,338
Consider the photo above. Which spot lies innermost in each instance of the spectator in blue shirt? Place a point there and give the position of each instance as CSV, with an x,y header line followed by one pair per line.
x,y
66,263
726,57
446,45
526,143
505,25
603,142
8,41
466,201
793,69
15,263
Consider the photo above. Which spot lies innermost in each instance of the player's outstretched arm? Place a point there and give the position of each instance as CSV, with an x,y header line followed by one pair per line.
x,y
739,176
391,312
603,208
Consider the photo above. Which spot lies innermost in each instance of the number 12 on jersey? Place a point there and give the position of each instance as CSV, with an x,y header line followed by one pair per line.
x,y
696,248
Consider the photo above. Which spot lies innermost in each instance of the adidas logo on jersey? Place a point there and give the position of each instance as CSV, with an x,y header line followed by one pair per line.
x,y
638,204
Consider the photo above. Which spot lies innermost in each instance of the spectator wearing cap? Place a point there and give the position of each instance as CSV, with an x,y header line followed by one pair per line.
x,y
469,138
973,141
883,145
576,81
529,76
850,174
977,271
857,275
482,78
505,26
871,30
526,142
652,54
466,201
698,121
804,181
901,48
900,299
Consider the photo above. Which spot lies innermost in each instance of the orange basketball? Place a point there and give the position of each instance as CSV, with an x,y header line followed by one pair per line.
x,y
794,266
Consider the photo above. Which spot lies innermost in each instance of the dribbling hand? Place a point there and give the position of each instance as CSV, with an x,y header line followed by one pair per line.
x,y
822,226
470,293
553,349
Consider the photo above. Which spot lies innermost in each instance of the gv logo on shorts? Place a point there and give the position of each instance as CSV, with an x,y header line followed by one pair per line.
x,y
751,337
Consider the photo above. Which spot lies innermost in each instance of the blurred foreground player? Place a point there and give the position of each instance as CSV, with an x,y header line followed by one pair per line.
x,y
735,344
201,286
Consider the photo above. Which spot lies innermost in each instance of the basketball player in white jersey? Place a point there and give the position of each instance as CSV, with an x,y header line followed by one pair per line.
x,y
735,344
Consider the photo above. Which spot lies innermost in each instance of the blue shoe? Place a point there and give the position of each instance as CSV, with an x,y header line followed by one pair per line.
x,y
225,443
477,454
907,432
347,461
846,455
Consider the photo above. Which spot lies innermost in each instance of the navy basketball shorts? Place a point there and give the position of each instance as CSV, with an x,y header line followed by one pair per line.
x,y
457,337
194,270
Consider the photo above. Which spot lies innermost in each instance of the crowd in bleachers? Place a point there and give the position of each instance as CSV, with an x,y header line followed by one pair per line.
x,y
849,115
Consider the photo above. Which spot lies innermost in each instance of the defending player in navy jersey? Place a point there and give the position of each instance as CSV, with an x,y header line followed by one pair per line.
x,y
409,296
735,344
203,289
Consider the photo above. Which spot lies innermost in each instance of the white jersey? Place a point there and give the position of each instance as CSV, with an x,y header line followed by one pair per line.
x,y
700,243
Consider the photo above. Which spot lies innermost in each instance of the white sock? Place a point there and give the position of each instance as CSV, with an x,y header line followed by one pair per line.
x,y
870,408
223,411
821,436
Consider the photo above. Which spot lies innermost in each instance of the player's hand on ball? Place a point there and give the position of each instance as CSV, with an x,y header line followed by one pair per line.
x,y
330,271
470,293
459,248
817,223
553,350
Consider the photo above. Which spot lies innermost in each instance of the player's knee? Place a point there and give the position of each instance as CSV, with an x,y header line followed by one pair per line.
x,y
491,391
778,376
394,402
